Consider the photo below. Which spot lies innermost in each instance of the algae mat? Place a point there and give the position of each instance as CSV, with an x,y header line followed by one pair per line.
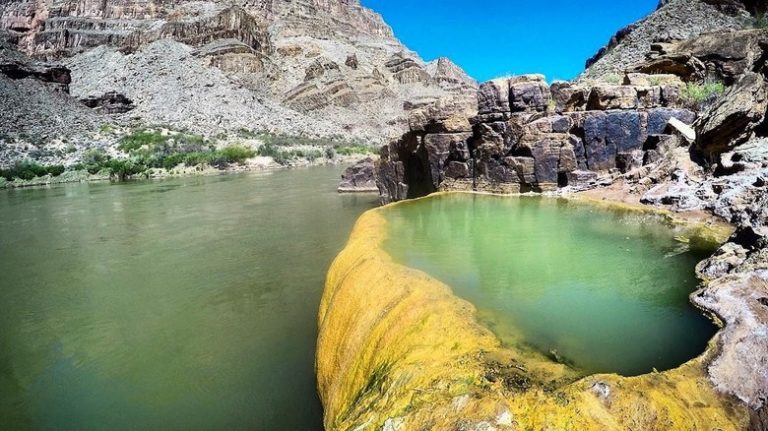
x,y
399,351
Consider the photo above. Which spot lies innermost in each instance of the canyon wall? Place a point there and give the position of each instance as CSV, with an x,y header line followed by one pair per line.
x,y
312,67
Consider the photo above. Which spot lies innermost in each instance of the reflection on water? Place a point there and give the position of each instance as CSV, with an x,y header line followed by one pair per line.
x,y
176,305
605,291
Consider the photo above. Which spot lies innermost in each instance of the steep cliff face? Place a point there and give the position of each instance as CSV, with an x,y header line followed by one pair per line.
x,y
312,67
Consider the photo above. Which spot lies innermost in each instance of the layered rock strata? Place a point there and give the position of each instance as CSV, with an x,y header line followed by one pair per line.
x,y
310,67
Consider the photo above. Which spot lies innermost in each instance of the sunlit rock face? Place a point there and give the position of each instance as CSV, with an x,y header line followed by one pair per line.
x,y
397,350
313,67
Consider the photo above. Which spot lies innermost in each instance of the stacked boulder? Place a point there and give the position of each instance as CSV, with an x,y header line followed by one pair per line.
x,y
531,136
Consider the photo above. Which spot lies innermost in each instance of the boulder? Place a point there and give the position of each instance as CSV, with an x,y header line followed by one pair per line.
x,y
683,130
629,160
734,117
552,154
443,116
109,103
581,179
568,96
725,55
390,180
529,93
493,97
525,168
659,118
655,80
496,171
649,97
605,97
493,139
352,61
359,177
608,133
439,147
458,170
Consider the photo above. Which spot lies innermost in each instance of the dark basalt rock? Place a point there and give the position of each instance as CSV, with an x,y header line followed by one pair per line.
x,y
439,147
529,94
608,133
352,61
359,177
732,120
458,170
109,103
493,97
46,72
659,118
568,96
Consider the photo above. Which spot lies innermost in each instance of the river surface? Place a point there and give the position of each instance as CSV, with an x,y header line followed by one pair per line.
x,y
604,291
183,304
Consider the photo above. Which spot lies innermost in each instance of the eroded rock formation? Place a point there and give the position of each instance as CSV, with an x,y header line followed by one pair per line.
x,y
359,178
529,136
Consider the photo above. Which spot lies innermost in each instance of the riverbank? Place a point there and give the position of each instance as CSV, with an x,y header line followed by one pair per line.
x,y
255,164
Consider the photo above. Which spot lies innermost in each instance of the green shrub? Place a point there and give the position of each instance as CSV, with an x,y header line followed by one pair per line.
x,y
188,142
247,133
124,169
354,149
94,161
761,20
141,138
700,94
56,170
613,79
236,153
28,170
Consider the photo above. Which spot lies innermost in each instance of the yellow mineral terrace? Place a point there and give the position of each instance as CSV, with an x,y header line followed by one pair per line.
x,y
398,351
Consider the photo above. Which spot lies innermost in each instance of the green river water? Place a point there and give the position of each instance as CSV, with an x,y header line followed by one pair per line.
x,y
183,304
607,291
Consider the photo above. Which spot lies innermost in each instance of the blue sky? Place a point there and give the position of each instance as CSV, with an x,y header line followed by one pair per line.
x,y
495,38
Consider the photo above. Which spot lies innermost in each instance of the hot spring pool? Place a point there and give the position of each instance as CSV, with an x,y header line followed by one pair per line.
x,y
605,291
